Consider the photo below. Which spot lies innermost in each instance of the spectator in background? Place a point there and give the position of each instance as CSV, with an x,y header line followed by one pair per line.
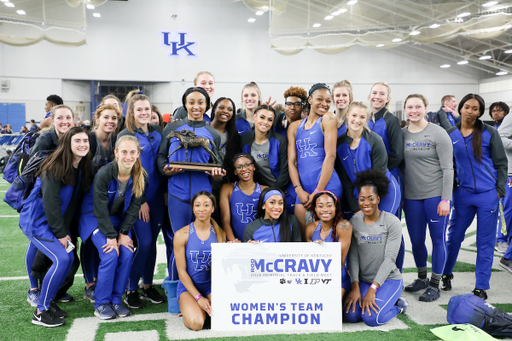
x,y
7,129
51,101
3,160
33,125
23,130
86,125
448,116
498,111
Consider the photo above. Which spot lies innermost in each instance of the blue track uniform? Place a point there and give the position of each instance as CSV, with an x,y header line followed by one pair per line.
x,y
505,130
183,186
46,217
243,209
269,232
278,160
479,184
199,262
98,221
310,158
446,119
242,125
144,257
342,129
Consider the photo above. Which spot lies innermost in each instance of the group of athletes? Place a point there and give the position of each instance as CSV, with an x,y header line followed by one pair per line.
x,y
304,174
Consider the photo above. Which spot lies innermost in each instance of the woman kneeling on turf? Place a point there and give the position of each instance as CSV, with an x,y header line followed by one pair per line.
x,y
193,251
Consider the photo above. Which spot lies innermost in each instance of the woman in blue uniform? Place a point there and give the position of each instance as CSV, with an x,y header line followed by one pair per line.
x,y
108,217
192,246
329,226
151,215
312,152
238,200
251,99
272,224
342,96
481,166
47,213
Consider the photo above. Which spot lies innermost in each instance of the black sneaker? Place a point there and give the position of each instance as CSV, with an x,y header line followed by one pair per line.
x,y
65,298
430,295
54,308
417,285
480,293
506,264
153,295
447,282
47,319
133,301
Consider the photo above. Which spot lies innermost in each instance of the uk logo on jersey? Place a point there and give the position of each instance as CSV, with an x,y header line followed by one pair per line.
x,y
203,262
306,148
176,46
246,211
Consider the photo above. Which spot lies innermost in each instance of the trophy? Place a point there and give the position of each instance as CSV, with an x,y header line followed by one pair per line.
x,y
189,139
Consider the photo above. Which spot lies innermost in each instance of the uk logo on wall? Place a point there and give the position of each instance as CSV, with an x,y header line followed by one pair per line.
x,y
178,44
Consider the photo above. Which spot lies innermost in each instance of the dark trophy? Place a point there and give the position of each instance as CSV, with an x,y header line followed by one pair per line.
x,y
189,139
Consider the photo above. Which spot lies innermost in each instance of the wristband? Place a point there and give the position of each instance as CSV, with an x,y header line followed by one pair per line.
x,y
374,287
444,200
299,185
198,297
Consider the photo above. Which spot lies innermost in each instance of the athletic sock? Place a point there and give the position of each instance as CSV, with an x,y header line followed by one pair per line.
x,y
422,273
434,280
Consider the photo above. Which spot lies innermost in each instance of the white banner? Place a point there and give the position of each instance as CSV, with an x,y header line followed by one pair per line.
x,y
276,286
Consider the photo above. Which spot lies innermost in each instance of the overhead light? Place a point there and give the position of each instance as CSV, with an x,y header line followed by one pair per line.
x,y
414,33
396,40
380,45
329,17
508,51
96,15
317,25
445,66
462,62
251,20
259,13
4,0
490,3
352,2
9,4
338,12
501,73
264,7
90,6
462,15
485,57
21,12
434,26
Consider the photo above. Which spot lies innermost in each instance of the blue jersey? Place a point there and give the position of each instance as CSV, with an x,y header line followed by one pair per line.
x,y
243,209
316,234
310,147
199,255
342,129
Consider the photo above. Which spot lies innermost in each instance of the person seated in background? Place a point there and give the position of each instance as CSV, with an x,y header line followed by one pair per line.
x,y
4,159
33,125
23,130
7,129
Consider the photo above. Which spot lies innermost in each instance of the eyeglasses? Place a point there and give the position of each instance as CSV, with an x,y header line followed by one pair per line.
x,y
242,167
295,104
497,110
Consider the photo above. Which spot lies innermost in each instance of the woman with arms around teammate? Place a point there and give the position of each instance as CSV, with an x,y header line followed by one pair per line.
x,y
193,250
376,281
428,184
480,163
47,213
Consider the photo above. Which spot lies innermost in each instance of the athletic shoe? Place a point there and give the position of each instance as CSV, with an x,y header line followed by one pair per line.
x,y
105,312
506,264
153,295
33,297
501,247
54,308
133,301
65,298
430,295
402,304
89,293
447,282
480,293
48,319
120,310
417,285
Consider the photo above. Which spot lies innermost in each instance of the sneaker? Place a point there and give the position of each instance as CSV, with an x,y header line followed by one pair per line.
x,y
153,295
89,293
430,295
480,293
33,297
105,312
48,319
132,300
120,310
65,298
54,308
402,304
501,247
504,263
417,285
447,282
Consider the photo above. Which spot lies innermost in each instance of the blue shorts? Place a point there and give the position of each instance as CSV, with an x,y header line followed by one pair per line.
x,y
204,288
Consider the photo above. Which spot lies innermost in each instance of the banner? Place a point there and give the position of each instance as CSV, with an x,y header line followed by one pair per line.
x,y
276,286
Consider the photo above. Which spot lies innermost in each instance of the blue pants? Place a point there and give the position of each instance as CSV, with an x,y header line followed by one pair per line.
x,y
180,214
113,272
29,260
386,297
90,260
465,206
507,212
57,273
419,214
144,258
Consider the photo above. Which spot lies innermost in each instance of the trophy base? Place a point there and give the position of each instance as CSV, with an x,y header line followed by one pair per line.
x,y
195,166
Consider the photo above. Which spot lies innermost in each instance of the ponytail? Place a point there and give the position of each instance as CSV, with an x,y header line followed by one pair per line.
x,y
221,235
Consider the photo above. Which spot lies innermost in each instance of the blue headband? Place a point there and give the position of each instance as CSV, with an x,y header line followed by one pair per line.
x,y
271,193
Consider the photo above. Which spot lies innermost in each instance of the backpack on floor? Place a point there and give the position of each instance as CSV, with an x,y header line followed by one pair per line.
x,y
472,309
